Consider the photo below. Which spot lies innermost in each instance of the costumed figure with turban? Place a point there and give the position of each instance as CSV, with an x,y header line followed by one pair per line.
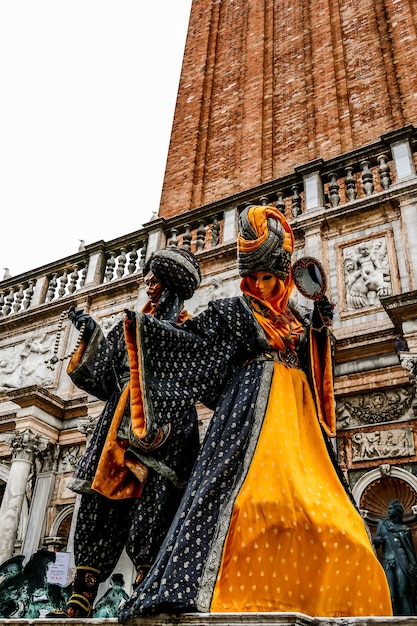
x,y
130,487
265,523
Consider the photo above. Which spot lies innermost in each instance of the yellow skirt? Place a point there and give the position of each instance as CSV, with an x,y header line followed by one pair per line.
x,y
295,542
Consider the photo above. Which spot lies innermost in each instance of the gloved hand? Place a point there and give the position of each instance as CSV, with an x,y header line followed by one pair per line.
x,y
78,317
130,315
322,313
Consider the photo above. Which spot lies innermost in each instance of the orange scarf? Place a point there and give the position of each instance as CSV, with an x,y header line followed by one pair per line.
x,y
279,323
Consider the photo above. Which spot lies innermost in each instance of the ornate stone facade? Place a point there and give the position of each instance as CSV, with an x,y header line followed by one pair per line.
x,y
348,185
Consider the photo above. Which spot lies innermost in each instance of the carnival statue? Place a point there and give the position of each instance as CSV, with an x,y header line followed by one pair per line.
x,y
130,490
265,523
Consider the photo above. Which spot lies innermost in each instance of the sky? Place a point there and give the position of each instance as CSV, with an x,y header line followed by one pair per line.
x,y
87,98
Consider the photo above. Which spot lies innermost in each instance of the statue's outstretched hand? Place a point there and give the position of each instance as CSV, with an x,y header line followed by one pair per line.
x,y
78,318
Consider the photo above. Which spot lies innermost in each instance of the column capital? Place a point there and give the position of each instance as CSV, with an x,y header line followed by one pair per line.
x,y
86,425
25,444
408,361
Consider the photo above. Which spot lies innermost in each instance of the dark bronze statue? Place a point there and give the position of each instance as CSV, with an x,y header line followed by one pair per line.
x,y
398,559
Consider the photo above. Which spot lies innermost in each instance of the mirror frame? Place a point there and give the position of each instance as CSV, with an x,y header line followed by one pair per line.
x,y
301,264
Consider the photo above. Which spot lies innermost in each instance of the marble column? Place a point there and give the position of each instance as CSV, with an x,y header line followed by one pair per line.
x,y
24,446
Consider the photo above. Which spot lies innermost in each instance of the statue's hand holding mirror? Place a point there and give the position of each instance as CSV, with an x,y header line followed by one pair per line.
x,y
310,279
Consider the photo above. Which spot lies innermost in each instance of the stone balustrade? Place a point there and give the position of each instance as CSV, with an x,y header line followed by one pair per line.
x,y
319,185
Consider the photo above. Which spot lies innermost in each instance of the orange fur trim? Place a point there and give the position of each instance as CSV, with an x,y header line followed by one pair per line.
x,y
322,374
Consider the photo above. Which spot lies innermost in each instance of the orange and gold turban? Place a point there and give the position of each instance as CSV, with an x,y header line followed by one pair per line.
x,y
265,241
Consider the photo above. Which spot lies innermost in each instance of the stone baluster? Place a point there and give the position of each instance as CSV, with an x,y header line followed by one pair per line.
x,y
121,264
63,284
73,280
111,263
280,204
83,276
334,196
186,238
17,305
173,240
1,303
24,446
350,182
296,200
201,235
30,290
384,171
50,294
263,200
9,302
143,254
133,259
215,232
367,179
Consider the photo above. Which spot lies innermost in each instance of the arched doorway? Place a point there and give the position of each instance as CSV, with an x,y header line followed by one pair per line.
x,y
376,488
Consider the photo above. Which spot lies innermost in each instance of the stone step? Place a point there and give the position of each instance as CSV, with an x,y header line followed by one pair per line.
x,y
227,619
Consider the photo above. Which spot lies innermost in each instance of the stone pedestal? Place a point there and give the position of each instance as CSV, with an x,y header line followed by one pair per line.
x,y
230,619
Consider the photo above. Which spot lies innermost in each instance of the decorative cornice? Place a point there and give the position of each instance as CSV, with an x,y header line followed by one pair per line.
x,y
50,403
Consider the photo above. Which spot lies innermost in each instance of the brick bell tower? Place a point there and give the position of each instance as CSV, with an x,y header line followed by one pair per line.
x,y
312,105
267,85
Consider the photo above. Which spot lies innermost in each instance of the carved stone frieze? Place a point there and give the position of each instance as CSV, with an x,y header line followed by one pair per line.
x,y
110,321
23,364
375,408
45,462
216,288
383,444
69,457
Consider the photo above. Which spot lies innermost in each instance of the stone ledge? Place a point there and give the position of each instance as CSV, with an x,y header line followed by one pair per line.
x,y
227,619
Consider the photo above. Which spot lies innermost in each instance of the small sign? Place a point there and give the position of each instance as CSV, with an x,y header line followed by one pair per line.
x,y
58,572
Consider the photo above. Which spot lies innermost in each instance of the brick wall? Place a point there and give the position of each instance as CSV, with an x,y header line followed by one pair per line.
x,y
268,85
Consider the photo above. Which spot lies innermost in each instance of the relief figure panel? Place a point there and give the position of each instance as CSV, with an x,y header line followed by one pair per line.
x,y
368,272
398,442
23,364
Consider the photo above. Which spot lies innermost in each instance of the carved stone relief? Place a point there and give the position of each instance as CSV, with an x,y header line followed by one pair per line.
x,y
86,425
383,444
23,364
218,287
110,321
367,273
408,361
374,408
69,457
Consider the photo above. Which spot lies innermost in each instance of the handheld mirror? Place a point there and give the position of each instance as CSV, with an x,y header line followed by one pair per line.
x,y
309,277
